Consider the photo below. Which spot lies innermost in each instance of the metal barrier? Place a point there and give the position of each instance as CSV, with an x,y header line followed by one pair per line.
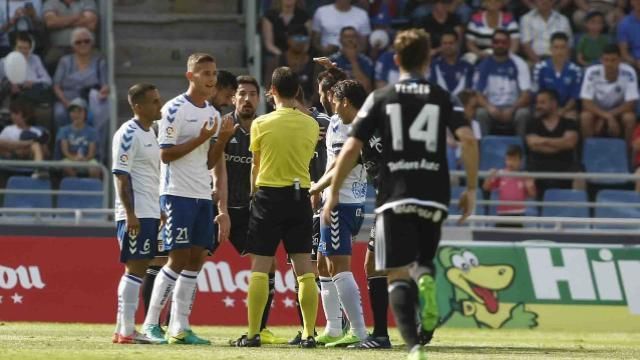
x,y
55,216
17,164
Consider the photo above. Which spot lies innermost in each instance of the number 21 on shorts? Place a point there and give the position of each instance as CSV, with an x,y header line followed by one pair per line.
x,y
428,117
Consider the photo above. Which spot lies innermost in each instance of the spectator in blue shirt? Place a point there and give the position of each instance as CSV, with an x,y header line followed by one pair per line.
x,y
503,81
448,70
350,59
77,140
386,71
628,38
559,74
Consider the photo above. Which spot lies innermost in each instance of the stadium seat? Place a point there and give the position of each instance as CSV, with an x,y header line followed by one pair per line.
x,y
68,201
620,196
604,155
563,195
493,149
27,200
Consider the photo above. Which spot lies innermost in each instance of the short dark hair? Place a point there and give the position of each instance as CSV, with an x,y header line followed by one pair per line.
x,y
351,90
248,79
20,105
297,29
514,150
450,32
137,92
611,49
549,92
199,58
593,14
285,81
347,28
500,32
412,47
559,35
24,36
330,77
226,80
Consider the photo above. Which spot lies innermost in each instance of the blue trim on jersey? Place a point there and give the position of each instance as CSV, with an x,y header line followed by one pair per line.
x,y
140,125
119,172
166,146
192,103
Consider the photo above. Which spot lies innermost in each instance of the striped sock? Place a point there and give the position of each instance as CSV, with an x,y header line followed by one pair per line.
x,y
128,295
162,290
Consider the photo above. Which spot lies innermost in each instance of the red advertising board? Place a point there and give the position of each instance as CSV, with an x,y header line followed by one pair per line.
x,y
75,280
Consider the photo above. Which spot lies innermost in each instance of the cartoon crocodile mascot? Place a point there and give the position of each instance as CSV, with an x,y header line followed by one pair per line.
x,y
475,301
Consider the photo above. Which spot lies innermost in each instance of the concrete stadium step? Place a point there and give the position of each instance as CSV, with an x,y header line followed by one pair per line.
x,y
178,6
171,26
138,52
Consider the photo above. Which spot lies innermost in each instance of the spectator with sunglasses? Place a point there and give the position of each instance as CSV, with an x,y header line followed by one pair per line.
x,y
83,74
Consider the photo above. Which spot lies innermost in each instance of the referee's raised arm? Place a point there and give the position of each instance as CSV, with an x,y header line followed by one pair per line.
x,y
283,143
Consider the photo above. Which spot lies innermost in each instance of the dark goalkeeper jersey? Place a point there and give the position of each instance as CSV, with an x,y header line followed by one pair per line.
x,y
411,118
238,159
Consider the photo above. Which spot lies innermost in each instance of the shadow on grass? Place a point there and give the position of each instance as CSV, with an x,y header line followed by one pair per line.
x,y
515,350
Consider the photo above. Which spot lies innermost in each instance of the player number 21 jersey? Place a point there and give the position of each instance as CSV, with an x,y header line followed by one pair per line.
x,y
411,118
182,121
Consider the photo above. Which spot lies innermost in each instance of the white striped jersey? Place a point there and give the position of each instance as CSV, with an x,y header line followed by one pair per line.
x,y
182,121
136,154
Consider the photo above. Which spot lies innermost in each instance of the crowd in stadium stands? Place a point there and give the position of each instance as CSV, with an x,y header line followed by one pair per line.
x,y
552,73
60,112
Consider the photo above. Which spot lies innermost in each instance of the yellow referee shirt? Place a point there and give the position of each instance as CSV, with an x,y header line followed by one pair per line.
x,y
286,140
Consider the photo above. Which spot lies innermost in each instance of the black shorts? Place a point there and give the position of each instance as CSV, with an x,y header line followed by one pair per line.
x,y
315,238
239,228
277,215
371,245
405,237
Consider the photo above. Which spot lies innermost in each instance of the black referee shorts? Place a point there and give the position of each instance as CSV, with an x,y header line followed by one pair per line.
x,y
239,228
277,215
402,238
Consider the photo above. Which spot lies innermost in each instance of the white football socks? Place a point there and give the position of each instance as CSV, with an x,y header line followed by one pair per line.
x,y
162,290
128,295
349,295
331,306
183,296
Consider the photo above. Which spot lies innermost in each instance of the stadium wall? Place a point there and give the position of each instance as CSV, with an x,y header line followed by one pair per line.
x,y
480,284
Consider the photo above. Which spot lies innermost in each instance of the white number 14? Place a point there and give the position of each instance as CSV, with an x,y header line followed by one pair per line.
x,y
428,117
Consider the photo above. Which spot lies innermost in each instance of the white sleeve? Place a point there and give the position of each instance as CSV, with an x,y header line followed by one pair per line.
x,y
365,27
524,74
526,33
316,24
124,149
4,135
631,91
587,90
169,127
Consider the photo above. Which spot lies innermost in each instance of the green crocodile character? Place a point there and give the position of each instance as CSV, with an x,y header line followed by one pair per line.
x,y
475,301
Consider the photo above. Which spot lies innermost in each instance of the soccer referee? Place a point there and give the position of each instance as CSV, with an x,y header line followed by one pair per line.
x,y
282,143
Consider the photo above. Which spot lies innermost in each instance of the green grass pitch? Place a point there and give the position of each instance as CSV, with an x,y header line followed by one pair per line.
x,y
80,341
